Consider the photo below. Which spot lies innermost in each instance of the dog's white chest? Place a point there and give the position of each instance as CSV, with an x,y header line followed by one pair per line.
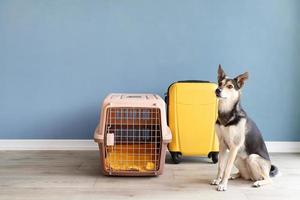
x,y
234,135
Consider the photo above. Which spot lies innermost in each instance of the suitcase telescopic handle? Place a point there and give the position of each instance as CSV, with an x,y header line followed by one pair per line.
x,y
167,93
193,81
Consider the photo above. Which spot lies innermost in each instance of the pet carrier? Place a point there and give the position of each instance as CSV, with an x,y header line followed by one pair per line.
x,y
192,113
132,135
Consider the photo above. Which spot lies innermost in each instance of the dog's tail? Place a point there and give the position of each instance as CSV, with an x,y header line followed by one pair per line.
x,y
274,171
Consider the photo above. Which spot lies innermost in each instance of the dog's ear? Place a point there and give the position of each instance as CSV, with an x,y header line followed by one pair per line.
x,y
221,73
240,79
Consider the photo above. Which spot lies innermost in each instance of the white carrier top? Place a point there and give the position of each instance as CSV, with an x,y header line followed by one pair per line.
x,y
134,100
127,100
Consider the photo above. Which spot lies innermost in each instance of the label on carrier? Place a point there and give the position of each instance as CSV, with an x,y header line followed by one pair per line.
x,y
110,139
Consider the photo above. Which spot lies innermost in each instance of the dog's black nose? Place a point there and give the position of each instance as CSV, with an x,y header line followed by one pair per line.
x,y
218,92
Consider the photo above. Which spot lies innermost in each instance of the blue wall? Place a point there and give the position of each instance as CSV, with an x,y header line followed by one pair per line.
x,y
58,59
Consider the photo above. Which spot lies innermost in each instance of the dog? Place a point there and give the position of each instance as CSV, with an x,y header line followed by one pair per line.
x,y
240,141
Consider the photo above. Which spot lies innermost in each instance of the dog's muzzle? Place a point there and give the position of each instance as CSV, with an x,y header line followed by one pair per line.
x,y
218,92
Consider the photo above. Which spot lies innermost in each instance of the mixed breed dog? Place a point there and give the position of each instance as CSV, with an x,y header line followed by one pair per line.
x,y
240,141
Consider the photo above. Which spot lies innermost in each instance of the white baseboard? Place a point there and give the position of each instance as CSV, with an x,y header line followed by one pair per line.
x,y
45,144
67,144
283,146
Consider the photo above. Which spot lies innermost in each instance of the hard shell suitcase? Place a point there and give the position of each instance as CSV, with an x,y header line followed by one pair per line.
x,y
191,114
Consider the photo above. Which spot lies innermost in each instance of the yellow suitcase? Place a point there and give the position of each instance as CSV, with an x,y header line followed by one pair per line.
x,y
192,113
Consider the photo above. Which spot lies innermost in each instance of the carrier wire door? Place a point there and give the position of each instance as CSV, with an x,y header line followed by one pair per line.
x,y
135,135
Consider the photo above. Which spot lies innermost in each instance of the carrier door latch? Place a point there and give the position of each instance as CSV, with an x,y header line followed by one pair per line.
x,y
110,139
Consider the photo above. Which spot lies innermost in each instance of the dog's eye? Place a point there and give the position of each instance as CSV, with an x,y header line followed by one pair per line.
x,y
229,86
220,84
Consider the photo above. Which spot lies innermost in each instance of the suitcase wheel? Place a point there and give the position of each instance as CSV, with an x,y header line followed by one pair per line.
x,y
214,156
176,157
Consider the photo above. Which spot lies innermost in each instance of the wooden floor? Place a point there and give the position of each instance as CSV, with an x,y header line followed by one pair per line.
x,y
76,175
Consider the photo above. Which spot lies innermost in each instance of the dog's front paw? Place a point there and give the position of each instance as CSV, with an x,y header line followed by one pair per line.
x,y
256,184
215,182
222,187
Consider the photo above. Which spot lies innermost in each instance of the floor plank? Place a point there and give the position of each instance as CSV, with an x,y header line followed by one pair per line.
x,y
77,175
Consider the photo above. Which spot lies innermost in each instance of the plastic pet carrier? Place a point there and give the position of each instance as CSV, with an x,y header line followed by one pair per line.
x,y
133,135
